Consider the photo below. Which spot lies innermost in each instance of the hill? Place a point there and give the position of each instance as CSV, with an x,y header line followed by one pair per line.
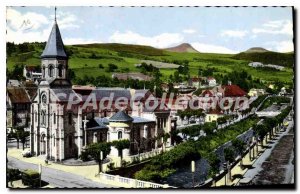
x,y
94,60
267,57
257,50
183,48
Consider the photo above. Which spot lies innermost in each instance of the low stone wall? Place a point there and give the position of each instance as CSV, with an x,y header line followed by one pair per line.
x,y
124,182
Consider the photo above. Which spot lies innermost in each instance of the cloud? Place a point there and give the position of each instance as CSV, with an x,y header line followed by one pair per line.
x,y
163,40
67,20
29,20
20,36
281,46
211,48
33,27
234,33
284,27
72,41
189,31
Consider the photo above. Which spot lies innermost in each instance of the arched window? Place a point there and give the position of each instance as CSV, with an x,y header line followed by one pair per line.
x,y
43,71
60,70
50,71
120,135
43,117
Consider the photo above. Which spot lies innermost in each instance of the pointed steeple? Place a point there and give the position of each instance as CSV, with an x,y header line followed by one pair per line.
x,y
55,46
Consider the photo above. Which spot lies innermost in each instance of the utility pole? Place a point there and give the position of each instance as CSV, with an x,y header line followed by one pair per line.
x,y
100,162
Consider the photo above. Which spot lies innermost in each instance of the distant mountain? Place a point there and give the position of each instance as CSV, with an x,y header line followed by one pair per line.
x,y
183,48
257,50
258,54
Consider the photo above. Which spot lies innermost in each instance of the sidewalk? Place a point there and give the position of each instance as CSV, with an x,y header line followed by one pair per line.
x,y
252,167
88,172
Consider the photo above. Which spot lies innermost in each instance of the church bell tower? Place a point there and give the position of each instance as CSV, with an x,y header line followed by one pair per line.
x,y
54,57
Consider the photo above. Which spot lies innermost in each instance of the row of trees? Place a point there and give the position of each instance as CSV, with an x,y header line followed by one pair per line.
x,y
20,135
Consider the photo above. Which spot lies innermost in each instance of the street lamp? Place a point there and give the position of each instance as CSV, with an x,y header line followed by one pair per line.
x,y
225,170
193,171
40,172
101,158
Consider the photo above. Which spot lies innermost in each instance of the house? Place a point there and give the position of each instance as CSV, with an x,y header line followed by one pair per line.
x,y
13,83
195,82
256,92
232,90
31,72
256,64
65,119
134,76
17,107
211,81
213,115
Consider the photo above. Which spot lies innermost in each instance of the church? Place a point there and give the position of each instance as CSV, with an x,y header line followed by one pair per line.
x,y
59,132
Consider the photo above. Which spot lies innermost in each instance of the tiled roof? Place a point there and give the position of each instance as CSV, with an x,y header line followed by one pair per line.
x,y
65,94
120,116
141,120
206,93
55,45
18,95
233,91
106,92
96,124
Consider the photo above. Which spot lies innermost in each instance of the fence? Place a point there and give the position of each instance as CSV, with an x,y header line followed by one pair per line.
x,y
119,181
145,155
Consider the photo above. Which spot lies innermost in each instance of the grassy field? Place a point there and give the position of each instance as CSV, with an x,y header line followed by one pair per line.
x,y
85,60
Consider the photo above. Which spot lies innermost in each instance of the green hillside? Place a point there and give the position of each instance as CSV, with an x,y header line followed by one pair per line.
x,y
284,59
95,60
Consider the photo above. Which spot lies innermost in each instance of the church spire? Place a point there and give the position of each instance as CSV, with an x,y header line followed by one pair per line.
x,y
55,14
55,46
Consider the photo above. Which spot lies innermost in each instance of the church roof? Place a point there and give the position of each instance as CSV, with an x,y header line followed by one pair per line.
x,y
120,116
55,45
96,124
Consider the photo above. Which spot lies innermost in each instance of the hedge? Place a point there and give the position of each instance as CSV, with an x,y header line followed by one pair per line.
x,y
31,178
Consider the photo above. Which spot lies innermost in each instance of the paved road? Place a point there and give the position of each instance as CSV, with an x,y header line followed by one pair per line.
x,y
57,178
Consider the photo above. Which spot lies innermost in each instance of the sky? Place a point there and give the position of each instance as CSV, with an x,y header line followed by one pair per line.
x,y
207,29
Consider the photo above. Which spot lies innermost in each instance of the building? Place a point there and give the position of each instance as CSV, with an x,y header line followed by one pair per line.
x,y
31,72
256,92
62,126
256,64
211,81
17,108
134,76
195,82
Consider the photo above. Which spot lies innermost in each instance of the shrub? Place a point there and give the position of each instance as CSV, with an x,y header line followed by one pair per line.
x,y
31,178
13,174
84,156
111,166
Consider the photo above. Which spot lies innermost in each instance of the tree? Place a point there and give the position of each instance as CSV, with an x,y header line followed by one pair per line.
x,y
112,67
21,136
120,145
214,163
100,66
229,154
94,150
260,131
239,147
